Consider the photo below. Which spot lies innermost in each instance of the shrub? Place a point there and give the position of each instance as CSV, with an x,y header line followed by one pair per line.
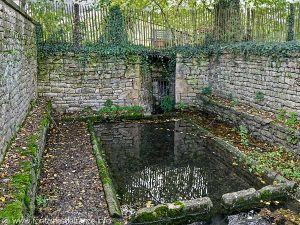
x,y
259,96
167,103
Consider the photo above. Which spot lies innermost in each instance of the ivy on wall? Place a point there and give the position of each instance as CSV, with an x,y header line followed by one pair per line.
x,y
114,43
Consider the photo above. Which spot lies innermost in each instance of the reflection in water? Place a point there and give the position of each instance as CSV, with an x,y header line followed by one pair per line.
x,y
167,161
164,184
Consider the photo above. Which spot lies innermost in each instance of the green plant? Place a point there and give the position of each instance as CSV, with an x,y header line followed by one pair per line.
x,y
292,136
207,91
234,103
278,160
281,114
167,103
182,106
41,201
244,135
112,112
259,96
108,103
292,119
33,103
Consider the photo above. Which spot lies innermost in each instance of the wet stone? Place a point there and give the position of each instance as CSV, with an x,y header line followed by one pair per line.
x,y
247,219
280,190
202,205
239,198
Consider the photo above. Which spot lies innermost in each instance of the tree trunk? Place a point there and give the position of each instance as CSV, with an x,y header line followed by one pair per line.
x,y
76,30
291,23
23,4
227,21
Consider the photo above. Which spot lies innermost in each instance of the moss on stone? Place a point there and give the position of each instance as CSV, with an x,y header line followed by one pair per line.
x,y
146,217
161,210
177,210
111,198
12,213
266,195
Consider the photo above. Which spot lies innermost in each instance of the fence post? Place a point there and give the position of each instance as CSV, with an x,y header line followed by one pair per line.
x,y
22,4
249,25
76,31
291,23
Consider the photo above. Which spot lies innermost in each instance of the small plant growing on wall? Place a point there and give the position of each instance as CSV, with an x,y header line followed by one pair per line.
x,y
281,114
259,96
207,91
244,134
182,106
292,119
108,103
234,102
167,103
292,137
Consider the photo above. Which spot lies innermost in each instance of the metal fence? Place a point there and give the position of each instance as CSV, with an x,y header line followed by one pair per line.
x,y
83,24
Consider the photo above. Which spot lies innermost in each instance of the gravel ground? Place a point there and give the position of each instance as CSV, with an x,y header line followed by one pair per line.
x,y
70,188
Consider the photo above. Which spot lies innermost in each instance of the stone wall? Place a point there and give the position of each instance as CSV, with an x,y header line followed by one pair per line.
x,y
18,69
74,82
239,78
260,127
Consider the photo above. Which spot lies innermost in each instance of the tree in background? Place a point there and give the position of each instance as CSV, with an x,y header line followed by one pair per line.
x,y
115,32
227,20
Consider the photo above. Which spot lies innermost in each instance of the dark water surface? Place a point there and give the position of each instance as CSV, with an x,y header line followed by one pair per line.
x,y
168,161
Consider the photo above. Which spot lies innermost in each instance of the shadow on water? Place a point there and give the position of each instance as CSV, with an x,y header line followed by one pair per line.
x,y
168,161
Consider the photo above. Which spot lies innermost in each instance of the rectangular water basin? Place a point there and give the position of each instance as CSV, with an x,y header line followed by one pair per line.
x,y
168,161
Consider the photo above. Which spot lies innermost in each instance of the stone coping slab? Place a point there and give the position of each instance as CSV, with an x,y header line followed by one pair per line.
x,y
19,10
199,206
251,198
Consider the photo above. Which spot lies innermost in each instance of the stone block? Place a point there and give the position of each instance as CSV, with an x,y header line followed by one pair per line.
x,y
240,198
273,192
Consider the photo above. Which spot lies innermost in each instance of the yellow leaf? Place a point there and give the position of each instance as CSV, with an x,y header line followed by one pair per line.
x,y
149,204
2,199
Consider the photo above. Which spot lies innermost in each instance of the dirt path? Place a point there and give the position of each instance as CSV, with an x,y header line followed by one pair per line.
x,y
70,180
